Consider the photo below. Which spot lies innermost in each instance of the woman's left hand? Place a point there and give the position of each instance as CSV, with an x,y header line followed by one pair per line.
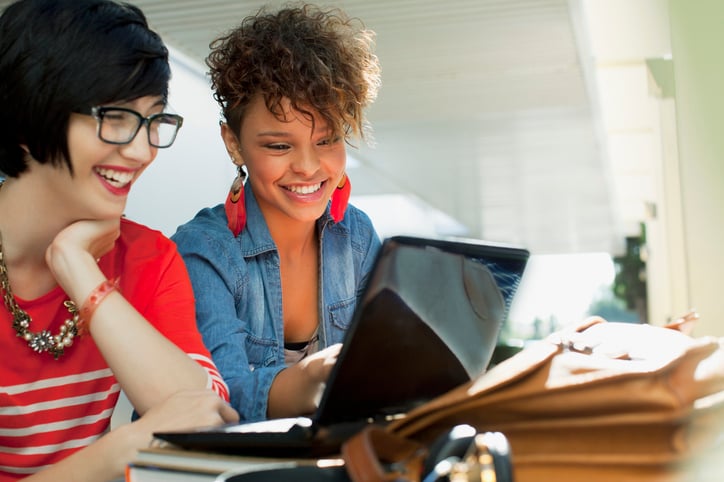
x,y
72,255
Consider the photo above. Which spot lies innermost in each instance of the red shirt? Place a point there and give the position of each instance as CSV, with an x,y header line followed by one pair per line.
x,y
51,408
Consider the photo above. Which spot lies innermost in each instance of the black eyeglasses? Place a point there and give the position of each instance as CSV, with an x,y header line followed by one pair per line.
x,y
118,125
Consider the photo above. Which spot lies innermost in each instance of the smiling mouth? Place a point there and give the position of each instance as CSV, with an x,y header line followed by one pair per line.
x,y
115,178
308,189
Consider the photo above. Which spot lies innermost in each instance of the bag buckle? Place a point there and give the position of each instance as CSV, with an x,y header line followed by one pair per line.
x,y
478,464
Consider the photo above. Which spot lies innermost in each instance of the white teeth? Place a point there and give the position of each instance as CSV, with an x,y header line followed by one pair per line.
x,y
305,189
116,178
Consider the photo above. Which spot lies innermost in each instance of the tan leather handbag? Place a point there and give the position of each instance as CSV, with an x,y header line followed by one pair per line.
x,y
603,401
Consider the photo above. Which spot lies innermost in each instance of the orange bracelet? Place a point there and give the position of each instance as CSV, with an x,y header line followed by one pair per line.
x,y
91,303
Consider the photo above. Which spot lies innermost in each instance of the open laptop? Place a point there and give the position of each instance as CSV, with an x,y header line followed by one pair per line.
x,y
427,322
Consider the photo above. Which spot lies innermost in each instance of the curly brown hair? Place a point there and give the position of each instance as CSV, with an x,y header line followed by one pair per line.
x,y
321,60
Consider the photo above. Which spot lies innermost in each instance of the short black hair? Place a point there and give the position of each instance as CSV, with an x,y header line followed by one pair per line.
x,y
63,56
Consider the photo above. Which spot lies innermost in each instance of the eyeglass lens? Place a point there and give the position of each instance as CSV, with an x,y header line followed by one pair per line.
x,y
120,126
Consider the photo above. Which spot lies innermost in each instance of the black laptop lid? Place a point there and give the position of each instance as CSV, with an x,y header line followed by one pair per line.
x,y
428,322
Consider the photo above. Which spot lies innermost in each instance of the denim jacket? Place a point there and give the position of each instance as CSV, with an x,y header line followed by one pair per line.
x,y
237,285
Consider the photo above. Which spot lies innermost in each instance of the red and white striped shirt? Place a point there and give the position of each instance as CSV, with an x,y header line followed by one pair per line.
x,y
51,408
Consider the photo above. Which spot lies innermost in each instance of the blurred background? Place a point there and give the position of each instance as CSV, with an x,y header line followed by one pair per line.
x,y
587,131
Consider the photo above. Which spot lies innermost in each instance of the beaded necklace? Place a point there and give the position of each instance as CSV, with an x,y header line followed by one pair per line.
x,y
44,340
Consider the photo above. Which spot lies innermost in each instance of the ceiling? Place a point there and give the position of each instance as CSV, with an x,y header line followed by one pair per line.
x,y
485,114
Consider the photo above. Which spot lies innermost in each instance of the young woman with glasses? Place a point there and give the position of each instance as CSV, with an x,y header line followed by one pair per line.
x,y
92,303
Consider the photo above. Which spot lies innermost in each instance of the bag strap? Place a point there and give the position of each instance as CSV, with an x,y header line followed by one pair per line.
x,y
374,455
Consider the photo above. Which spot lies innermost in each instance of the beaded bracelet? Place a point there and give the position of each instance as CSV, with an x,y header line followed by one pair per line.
x,y
91,303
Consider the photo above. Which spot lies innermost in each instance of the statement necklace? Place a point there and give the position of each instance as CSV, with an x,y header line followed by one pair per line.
x,y
44,340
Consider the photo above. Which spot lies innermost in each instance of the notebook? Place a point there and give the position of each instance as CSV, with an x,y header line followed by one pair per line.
x,y
427,322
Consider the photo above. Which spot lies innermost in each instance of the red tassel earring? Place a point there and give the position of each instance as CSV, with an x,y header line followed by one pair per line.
x,y
340,199
234,205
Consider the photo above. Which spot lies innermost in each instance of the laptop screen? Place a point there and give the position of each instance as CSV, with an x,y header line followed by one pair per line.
x,y
429,321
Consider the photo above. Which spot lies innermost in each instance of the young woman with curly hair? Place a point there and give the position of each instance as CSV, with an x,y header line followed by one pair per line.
x,y
278,268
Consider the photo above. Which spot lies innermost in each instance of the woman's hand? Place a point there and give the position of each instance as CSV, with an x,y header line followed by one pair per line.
x,y
95,237
296,390
316,367
72,256
185,410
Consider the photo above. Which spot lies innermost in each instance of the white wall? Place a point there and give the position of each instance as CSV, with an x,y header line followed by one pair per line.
x,y
697,37
193,173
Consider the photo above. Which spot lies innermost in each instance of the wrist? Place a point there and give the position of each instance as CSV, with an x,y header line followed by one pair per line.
x,y
92,301
123,442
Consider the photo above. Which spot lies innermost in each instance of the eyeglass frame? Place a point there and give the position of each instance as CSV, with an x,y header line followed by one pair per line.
x,y
98,112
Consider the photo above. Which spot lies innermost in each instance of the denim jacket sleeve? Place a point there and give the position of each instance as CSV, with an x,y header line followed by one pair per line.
x,y
219,276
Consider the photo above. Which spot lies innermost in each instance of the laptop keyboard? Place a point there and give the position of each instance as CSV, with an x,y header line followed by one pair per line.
x,y
278,425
